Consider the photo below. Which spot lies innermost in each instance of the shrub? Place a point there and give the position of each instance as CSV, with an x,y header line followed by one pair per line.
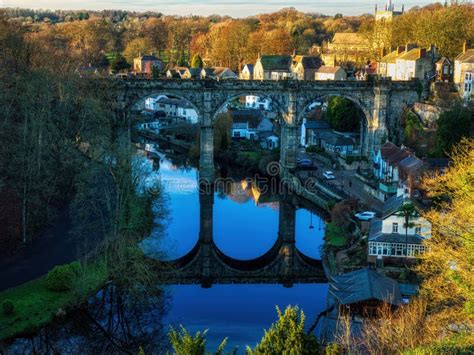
x,y
61,278
8,307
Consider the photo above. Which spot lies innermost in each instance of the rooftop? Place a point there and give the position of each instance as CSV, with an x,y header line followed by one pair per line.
x,y
276,62
328,70
349,38
466,57
364,285
308,61
376,235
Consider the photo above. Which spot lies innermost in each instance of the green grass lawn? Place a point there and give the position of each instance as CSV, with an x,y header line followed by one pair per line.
x,y
335,236
36,306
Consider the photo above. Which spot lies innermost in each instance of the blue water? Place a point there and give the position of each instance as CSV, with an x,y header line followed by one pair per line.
x,y
244,227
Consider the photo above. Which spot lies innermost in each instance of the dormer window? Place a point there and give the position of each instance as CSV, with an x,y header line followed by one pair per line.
x,y
394,227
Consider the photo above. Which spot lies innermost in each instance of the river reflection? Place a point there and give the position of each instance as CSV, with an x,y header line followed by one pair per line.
x,y
244,225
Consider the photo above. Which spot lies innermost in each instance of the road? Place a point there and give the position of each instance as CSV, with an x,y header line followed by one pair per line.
x,y
344,179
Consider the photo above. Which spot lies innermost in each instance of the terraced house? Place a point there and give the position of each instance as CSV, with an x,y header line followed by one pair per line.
x,y
273,67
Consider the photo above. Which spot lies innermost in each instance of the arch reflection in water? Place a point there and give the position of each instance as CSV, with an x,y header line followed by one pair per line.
x,y
282,263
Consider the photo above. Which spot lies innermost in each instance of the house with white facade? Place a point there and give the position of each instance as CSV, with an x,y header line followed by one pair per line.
x,y
409,62
273,67
247,72
257,102
464,73
391,240
250,124
330,73
174,108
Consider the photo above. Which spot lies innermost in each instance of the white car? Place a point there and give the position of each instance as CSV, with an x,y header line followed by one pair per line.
x,y
329,175
365,216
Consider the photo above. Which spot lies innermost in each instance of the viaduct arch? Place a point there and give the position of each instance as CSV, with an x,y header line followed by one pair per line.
x,y
206,264
381,100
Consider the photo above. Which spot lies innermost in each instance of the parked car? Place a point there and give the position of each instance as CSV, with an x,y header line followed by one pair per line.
x,y
329,175
365,216
304,163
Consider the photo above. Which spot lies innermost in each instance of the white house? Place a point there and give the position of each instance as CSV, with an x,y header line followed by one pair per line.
x,y
249,124
330,73
464,73
268,67
391,239
257,102
247,72
176,108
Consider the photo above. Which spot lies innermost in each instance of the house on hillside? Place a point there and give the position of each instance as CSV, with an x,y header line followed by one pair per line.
x,y
305,66
444,70
416,63
249,124
390,165
247,72
257,102
358,294
330,73
464,73
218,73
312,131
338,143
273,67
390,239
347,48
179,109
409,62
145,64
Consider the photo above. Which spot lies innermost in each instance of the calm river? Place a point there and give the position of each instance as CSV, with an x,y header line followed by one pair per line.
x,y
245,226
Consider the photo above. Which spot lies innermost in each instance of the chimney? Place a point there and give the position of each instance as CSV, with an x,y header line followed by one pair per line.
x,y
376,8
403,8
422,52
466,45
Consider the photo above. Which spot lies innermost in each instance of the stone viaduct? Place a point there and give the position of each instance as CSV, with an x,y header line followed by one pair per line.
x,y
206,264
381,100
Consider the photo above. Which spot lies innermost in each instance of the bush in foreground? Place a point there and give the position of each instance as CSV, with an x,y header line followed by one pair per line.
x,y
8,307
62,277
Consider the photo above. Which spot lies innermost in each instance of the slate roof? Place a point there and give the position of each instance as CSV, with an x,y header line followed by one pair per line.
x,y
392,153
436,163
390,58
411,164
466,57
392,205
328,70
317,124
176,102
336,139
253,117
349,38
249,67
308,61
364,285
276,62
376,235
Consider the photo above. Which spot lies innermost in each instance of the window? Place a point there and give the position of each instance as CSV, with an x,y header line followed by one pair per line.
x,y
445,69
395,228
418,229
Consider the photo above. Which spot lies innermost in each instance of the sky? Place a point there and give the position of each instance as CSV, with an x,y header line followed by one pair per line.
x,y
234,8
